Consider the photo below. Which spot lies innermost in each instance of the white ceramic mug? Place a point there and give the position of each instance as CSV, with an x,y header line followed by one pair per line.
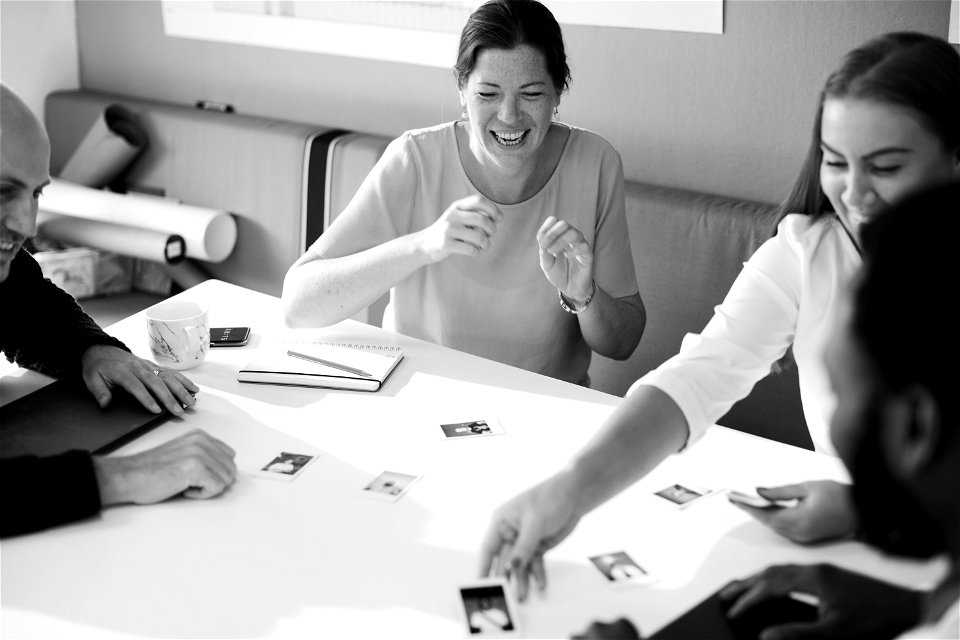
x,y
179,334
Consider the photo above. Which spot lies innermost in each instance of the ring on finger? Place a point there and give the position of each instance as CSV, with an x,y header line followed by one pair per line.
x,y
157,372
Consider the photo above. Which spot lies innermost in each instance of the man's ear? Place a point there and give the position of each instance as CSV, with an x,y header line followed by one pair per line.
x,y
911,431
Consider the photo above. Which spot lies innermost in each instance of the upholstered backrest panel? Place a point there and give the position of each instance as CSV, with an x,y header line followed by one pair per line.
x,y
688,248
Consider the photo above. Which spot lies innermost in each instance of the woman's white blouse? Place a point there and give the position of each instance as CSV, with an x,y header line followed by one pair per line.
x,y
788,293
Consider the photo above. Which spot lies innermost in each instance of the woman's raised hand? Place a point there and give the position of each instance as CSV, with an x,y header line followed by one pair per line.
x,y
467,228
566,258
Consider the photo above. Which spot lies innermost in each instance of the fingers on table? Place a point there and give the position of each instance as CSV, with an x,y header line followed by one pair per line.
x,y
208,464
770,583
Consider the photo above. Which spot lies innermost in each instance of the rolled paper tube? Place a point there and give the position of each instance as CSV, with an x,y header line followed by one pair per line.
x,y
210,234
108,148
186,274
126,241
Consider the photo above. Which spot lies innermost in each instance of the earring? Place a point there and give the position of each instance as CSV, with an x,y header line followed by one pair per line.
x,y
463,114
556,112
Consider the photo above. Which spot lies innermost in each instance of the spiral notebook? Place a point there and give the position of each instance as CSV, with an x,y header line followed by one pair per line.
x,y
329,365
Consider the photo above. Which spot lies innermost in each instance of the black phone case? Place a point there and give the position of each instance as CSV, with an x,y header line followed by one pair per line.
x,y
229,336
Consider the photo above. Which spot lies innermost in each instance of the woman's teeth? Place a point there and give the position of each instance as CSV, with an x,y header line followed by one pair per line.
x,y
510,138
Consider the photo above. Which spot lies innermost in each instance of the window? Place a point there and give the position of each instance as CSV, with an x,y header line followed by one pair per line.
x,y
424,32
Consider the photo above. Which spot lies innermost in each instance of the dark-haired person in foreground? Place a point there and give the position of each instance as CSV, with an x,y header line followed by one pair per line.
x,y
44,329
896,428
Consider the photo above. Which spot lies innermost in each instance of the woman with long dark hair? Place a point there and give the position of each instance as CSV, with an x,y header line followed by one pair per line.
x,y
886,127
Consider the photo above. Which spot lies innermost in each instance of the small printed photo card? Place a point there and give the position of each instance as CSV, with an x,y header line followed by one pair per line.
x,y
285,466
620,568
488,609
390,486
472,429
684,495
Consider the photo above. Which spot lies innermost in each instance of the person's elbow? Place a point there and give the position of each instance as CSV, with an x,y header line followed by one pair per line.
x,y
635,321
301,305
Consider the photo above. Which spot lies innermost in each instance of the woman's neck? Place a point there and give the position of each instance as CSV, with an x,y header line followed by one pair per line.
x,y
510,185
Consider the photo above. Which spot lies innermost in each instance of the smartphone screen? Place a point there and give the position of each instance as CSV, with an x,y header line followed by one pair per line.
x,y
229,336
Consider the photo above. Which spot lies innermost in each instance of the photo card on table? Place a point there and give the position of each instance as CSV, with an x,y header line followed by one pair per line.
x,y
619,568
285,466
683,496
472,428
488,609
390,486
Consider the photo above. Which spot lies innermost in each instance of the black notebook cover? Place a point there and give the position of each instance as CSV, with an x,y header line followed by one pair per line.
x,y
63,416
708,620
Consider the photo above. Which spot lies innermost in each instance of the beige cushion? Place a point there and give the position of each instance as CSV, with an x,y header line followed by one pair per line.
x,y
688,248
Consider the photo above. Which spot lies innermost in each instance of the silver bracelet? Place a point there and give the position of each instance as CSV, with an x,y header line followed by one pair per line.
x,y
574,308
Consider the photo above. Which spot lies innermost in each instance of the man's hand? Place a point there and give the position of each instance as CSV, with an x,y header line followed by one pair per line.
x,y
824,511
851,605
523,529
621,629
195,465
105,367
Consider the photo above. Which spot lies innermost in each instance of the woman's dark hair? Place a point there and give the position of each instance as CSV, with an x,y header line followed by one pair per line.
x,y
508,24
912,70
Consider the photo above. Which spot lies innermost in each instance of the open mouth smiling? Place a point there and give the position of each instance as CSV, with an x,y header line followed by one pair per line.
x,y
510,138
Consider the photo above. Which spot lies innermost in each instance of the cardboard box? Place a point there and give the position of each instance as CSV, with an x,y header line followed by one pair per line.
x,y
84,273
70,269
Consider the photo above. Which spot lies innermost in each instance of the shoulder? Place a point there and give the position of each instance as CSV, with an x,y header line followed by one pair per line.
x,y
589,154
420,146
24,268
584,141
807,234
428,137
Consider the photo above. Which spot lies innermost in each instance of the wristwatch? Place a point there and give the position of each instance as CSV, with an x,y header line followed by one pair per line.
x,y
573,307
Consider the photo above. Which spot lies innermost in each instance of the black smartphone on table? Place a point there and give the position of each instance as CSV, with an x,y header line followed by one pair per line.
x,y
229,336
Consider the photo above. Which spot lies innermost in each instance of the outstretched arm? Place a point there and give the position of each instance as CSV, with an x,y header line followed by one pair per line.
x,y
644,429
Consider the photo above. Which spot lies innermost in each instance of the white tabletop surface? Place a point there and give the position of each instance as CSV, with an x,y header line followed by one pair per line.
x,y
314,557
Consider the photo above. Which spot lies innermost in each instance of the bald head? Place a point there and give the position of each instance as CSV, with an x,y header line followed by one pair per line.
x,y
24,171
17,119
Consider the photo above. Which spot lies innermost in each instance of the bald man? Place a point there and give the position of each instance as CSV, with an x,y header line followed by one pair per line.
x,y
44,329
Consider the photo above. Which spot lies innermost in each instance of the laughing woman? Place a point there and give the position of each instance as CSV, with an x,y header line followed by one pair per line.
x,y
502,234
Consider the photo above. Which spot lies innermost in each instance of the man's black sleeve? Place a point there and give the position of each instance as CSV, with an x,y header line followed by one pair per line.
x,y
38,493
43,326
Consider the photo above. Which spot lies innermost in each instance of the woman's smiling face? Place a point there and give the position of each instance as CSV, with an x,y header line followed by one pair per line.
x,y
510,99
874,154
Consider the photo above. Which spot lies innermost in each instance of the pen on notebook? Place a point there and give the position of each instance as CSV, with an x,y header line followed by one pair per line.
x,y
335,365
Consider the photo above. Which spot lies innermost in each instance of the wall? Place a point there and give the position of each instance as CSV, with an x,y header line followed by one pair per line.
x,y
38,48
726,114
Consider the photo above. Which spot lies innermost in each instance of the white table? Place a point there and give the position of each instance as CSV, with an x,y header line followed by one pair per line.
x,y
312,557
